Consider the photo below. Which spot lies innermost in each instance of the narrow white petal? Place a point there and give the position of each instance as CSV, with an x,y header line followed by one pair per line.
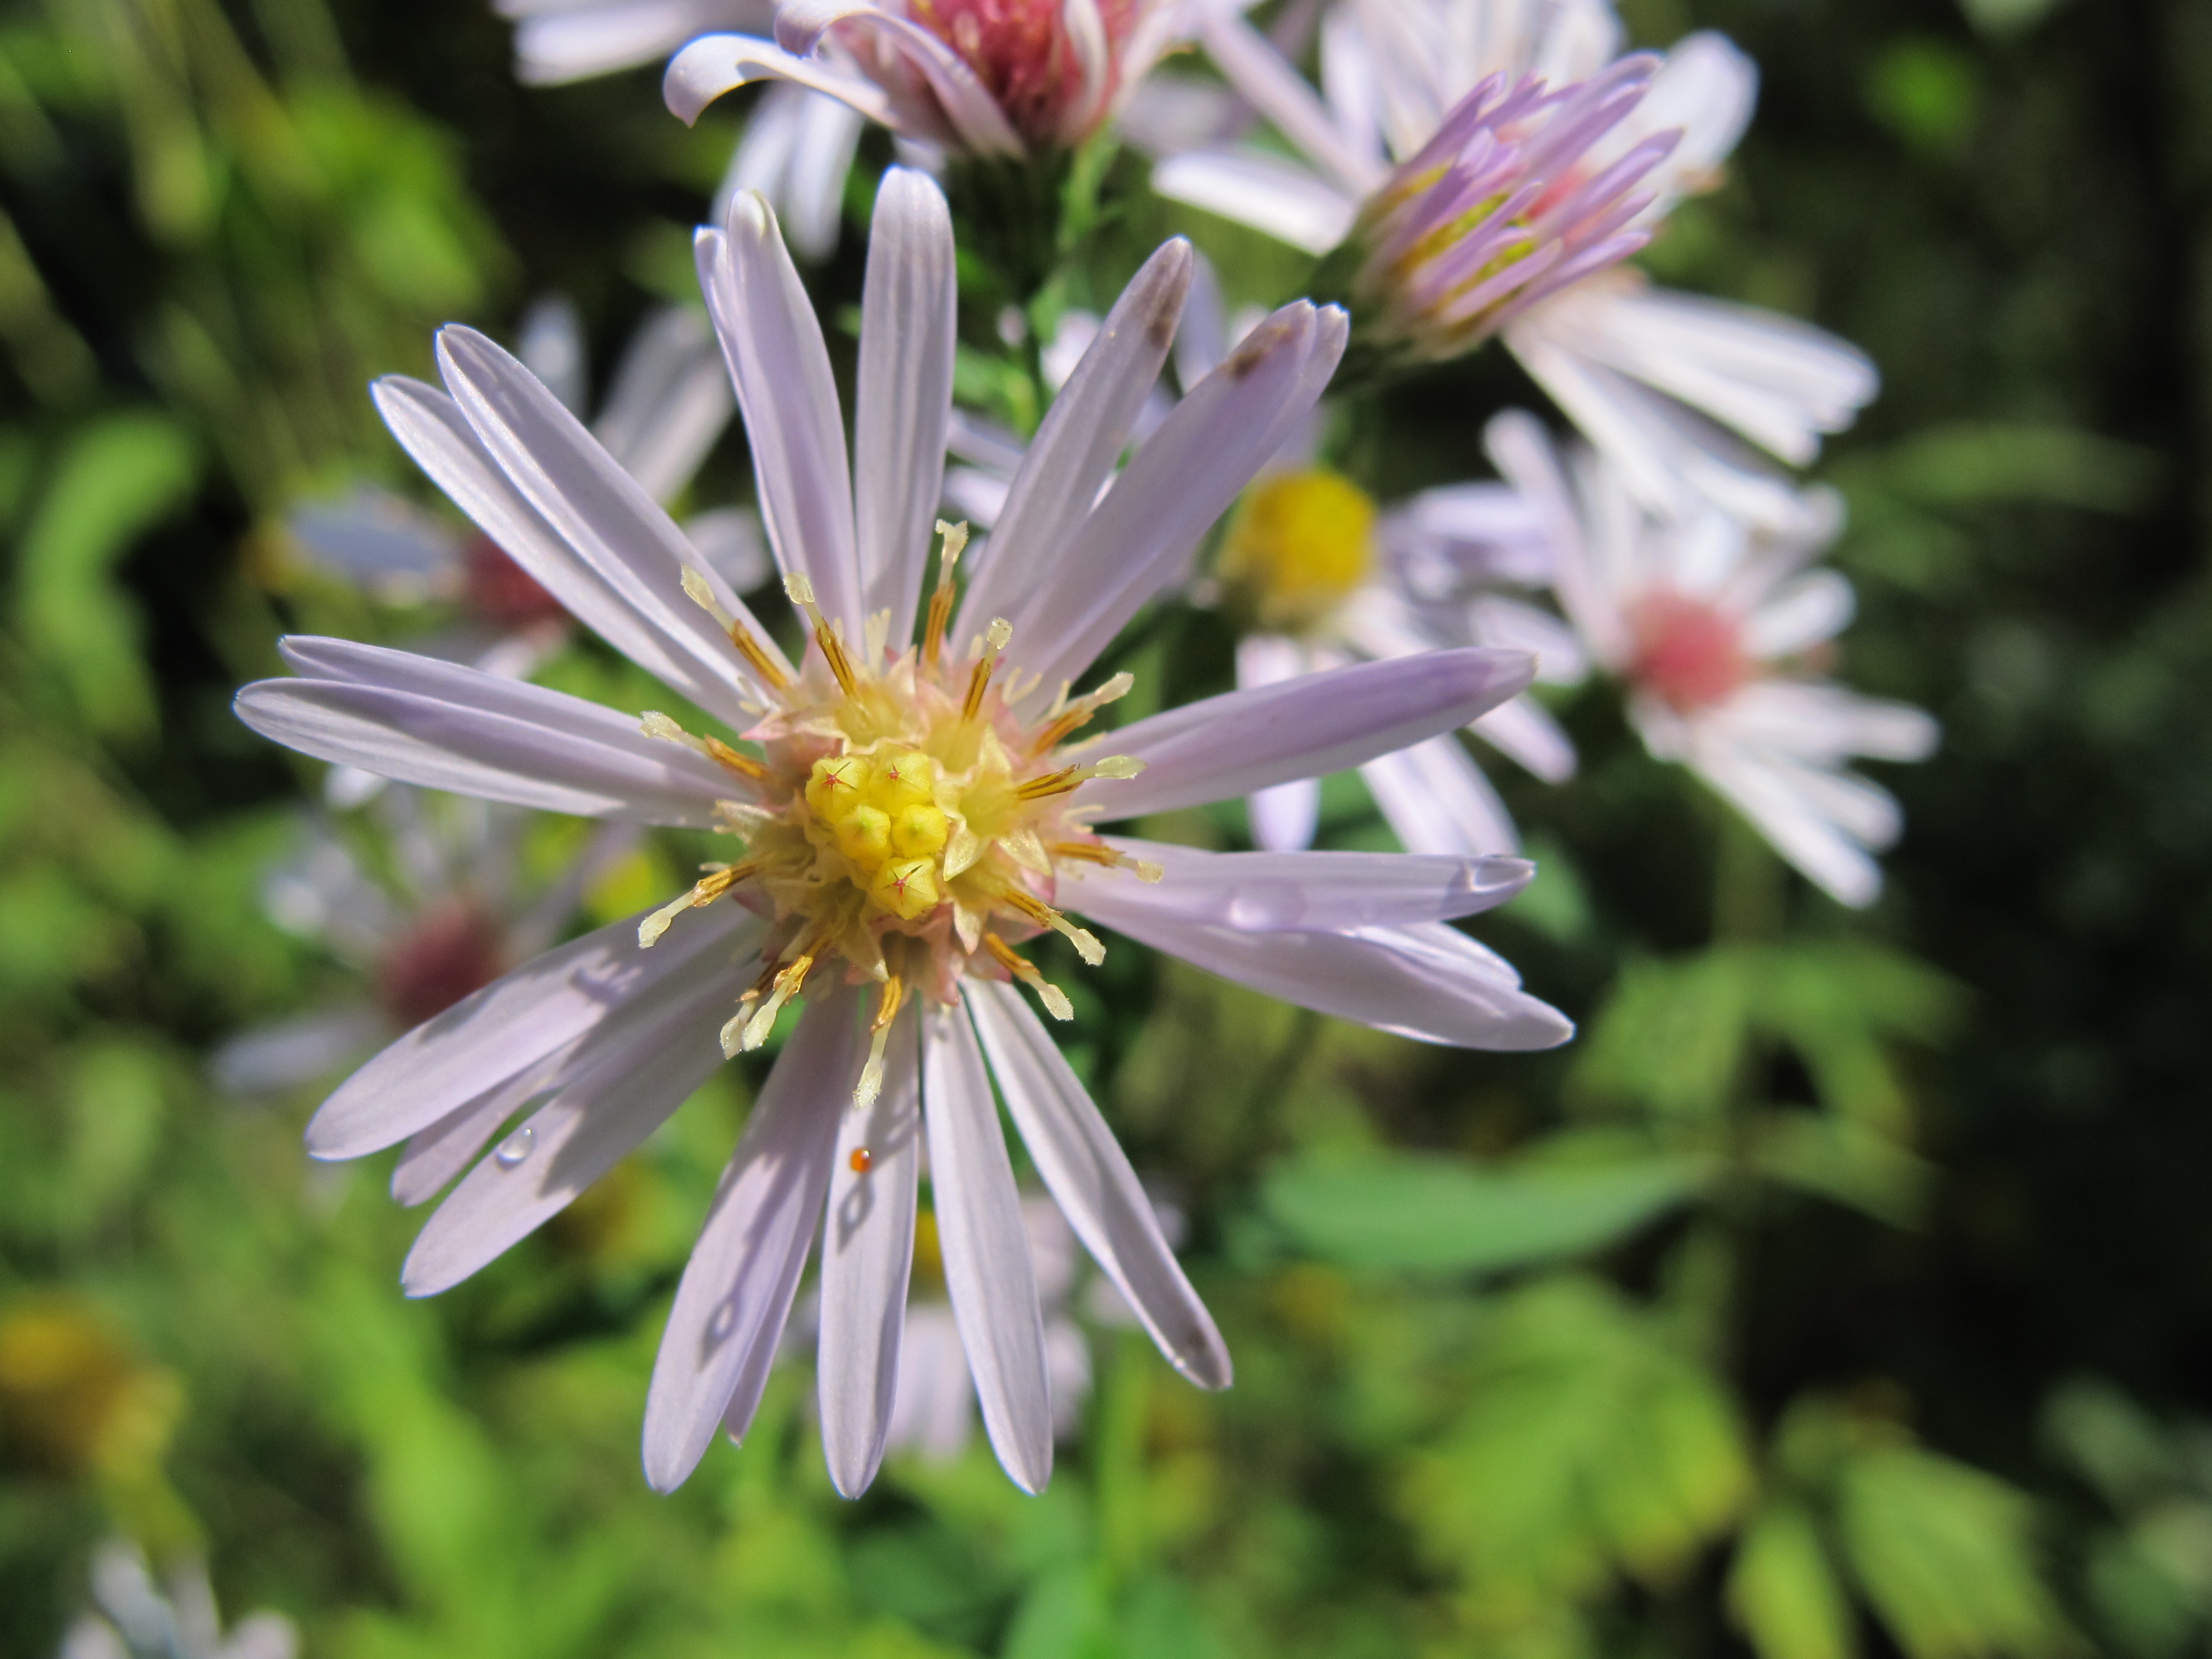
x,y
1496,620
442,726
1437,800
868,1253
669,403
1265,192
812,200
485,1039
716,63
1141,537
905,393
265,1059
935,1412
615,1095
1523,729
552,347
1429,982
1706,90
380,542
1799,830
1815,607
624,600
1249,62
1242,741
560,42
978,124
988,1273
1284,817
1089,1175
1303,891
1079,440
773,344
738,1287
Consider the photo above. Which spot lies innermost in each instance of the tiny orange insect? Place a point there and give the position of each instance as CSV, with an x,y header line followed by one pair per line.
x,y
860,1160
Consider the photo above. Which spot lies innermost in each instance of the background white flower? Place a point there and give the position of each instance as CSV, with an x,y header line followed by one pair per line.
x,y
173,1618
1717,627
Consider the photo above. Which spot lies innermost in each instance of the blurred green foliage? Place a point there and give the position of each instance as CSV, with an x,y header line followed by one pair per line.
x,y
1758,1319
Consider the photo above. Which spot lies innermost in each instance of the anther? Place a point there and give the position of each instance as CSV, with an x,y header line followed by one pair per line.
x,y
1049,784
1094,852
1065,717
801,593
655,724
979,678
786,986
706,891
940,602
1085,942
1055,999
872,1074
749,646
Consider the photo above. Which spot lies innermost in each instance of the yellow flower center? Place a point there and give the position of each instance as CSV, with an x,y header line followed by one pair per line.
x,y
908,823
1299,545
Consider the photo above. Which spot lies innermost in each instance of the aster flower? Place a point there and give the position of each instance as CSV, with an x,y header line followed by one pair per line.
x,y
908,816
992,79
1717,628
450,916
1486,166
1317,575
176,1619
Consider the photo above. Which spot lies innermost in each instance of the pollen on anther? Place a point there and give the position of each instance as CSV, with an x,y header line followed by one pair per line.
x,y
862,1160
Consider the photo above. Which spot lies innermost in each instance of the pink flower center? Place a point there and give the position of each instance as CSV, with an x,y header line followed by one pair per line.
x,y
502,591
1688,652
1022,53
440,958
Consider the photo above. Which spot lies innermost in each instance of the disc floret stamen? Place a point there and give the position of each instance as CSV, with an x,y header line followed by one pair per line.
x,y
909,822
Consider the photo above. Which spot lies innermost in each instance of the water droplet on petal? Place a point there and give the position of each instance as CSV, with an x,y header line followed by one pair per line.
x,y
516,1148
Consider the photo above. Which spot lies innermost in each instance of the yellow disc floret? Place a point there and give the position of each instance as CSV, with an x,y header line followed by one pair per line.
x,y
1300,544
904,819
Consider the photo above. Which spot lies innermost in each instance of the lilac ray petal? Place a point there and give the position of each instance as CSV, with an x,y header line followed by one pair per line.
x,y
1251,64
780,367
988,1272
1241,741
435,1155
716,63
474,750
1284,817
670,401
585,725
1140,537
1303,892
1429,982
1090,1177
485,1039
602,513
736,1289
868,1253
904,396
1079,439
556,43
616,1094
682,647
1437,800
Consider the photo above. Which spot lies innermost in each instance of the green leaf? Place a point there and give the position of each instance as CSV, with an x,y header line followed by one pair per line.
x,y
1443,1214
1588,1446
115,480
1944,1553
1840,1160
1671,1036
1783,1592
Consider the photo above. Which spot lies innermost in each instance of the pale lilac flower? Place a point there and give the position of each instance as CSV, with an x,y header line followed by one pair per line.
x,y
448,914
1317,577
987,78
911,815
176,1619
1719,628
1492,161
